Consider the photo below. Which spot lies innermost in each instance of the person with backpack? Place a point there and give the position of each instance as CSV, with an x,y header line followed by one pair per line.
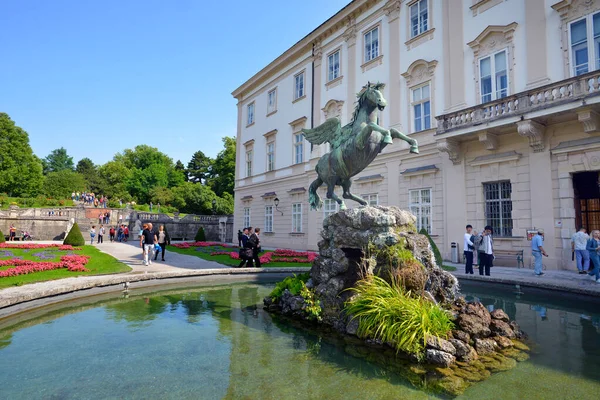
x,y
246,252
111,233
120,233
92,234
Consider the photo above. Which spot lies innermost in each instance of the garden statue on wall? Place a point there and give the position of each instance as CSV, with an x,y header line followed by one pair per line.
x,y
353,146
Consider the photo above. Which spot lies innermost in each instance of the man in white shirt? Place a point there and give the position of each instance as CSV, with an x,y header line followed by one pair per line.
x,y
486,251
468,250
578,245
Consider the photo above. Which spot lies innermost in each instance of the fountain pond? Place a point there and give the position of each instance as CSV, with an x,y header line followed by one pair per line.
x,y
216,342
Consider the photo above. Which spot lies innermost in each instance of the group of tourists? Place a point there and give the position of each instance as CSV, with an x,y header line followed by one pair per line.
x,y
250,249
104,218
12,234
90,199
119,234
479,250
585,250
153,242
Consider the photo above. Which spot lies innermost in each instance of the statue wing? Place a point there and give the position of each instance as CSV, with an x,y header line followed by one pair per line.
x,y
328,131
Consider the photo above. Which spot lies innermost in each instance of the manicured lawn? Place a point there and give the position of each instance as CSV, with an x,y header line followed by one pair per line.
x,y
225,259
99,264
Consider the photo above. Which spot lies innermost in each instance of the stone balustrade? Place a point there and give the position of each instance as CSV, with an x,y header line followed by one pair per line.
x,y
570,90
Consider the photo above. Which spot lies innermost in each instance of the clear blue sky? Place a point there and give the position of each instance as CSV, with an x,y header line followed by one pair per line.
x,y
97,77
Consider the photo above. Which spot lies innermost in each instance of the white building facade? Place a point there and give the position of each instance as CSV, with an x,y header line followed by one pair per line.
x,y
500,94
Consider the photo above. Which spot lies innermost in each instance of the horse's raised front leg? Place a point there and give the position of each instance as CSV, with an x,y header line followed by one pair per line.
x,y
331,195
387,136
414,146
347,195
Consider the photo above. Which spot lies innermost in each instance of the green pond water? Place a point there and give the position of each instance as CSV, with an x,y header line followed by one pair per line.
x,y
216,342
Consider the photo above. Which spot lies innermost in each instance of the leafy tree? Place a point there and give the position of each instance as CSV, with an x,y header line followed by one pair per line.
x,y
20,170
74,237
222,178
85,167
113,176
161,195
198,169
60,185
181,168
58,160
197,199
93,181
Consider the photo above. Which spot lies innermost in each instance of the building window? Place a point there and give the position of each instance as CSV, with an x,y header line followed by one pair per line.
x,y
269,219
270,156
585,57
297,217
493,76
420,206
248,163
371,199
298,148
419,18
272,101
421,108
246,217
299,86
498,207
250,114
371,44
330,207
333,66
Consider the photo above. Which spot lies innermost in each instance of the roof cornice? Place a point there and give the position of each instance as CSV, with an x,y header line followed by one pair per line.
x,y
326,29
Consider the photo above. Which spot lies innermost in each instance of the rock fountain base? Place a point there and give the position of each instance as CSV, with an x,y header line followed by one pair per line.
x,y
382,241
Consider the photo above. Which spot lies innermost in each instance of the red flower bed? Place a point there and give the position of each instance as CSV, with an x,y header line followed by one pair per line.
x,y
74,263
279,255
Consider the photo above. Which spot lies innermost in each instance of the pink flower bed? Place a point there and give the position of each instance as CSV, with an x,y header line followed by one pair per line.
x,y
74,263
33,246
187,245
278,255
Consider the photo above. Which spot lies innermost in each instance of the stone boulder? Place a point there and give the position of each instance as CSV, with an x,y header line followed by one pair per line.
x,y
485,346
461,335
475,320
438,357
499,314
437,343
501,328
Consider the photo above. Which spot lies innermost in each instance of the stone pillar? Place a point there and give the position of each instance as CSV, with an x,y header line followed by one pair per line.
x,y
316,76
350,37
542,206
393,187
566,202
454,77
454,205
535,32
393,14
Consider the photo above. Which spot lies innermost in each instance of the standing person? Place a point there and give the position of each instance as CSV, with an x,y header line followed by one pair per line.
x,y
579,242
537,250
486,251
593,246
111,233
125,233
120,219
12,233
240,235
254,243
101,234
158,207
468,250
147,241
150,206
120,233
92,234
163,240
108,217
244,248
101,218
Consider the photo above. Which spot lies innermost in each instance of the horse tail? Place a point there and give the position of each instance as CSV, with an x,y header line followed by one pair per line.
x,y
313,197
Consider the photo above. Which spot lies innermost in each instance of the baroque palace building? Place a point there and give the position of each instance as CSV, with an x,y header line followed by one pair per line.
x,y
502,96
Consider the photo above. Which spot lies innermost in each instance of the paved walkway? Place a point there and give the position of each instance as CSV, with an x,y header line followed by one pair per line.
x,y
568,281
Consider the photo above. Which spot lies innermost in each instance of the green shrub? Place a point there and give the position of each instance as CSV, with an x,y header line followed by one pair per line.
x,y
74,238
386,312
292,283
2,239
26,202
51,202
200,236
436,252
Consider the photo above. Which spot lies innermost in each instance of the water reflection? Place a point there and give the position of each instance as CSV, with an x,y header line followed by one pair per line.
x,y
221,343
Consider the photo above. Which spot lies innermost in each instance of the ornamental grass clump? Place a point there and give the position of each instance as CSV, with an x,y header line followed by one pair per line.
x,y
385,311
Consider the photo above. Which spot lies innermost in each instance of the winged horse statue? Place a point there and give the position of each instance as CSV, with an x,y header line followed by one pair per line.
x,y
353,146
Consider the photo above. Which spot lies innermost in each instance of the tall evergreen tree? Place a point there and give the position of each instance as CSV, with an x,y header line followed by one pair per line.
x,y
181,168
20,170
198,168
58,160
